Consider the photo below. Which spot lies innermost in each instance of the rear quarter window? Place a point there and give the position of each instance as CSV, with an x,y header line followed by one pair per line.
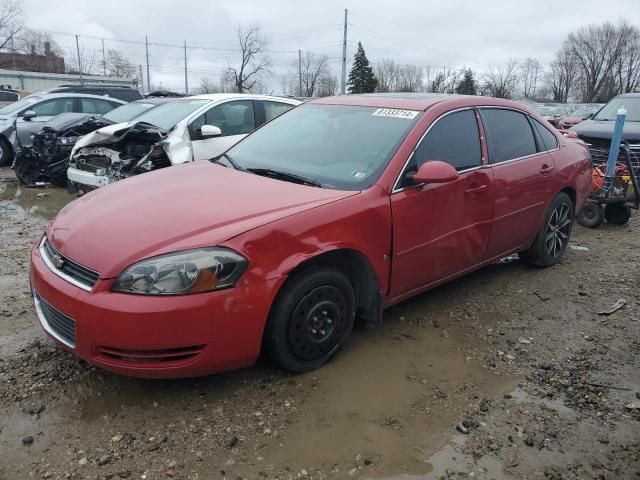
x,y
549,140
509,134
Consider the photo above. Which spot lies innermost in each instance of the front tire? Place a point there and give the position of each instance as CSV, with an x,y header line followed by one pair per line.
x,y
6,154
311,319
553,237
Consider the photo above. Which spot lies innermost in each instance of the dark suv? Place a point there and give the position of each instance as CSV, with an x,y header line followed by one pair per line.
x,y
121,92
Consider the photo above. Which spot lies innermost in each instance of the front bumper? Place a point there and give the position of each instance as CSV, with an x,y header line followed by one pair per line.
x,y
87,178
162,337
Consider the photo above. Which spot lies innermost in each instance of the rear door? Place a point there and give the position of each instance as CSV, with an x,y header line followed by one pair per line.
x,y
234,118
442,229
521,168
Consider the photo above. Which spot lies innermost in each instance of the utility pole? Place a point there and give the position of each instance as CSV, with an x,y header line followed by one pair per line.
x,y
344,55
141,78
79,61
299,72
146,47
186,80
104,60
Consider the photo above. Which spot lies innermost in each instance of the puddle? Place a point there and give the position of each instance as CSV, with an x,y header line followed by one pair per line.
x,y
45,202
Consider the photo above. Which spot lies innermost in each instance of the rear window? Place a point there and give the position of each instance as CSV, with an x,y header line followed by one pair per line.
x,y
509,134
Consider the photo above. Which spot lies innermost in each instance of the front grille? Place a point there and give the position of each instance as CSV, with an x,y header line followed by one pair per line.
x,y
168,355
55,322
68,269
93,163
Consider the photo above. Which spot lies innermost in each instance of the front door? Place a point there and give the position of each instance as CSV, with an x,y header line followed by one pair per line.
x,y
234,118
45,111
442,229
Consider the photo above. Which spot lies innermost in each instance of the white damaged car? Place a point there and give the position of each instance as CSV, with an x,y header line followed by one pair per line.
x,y
187,129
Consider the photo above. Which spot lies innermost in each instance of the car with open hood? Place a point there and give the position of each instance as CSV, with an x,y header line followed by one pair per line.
x,y
20,120
328,214
47,159
187,129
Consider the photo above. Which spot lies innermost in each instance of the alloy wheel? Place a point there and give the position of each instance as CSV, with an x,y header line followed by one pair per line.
x,y
558,230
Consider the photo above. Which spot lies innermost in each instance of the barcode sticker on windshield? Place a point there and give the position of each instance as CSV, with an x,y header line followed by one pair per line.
x,y
392,112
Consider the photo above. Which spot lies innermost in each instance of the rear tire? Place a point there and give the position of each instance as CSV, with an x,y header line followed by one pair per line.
x,y
591,215
311,319
553,237
6,154
617,214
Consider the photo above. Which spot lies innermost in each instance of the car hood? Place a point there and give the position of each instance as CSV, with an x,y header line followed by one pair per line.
x,y
604,129
68,120
114,133
176,208
572,120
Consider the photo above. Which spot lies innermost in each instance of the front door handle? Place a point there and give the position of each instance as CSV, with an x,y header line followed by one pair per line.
x,y
546,169
474,190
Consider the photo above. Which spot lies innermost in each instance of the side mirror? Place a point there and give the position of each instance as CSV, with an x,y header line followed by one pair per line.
x,y
210,131
435,171
29,114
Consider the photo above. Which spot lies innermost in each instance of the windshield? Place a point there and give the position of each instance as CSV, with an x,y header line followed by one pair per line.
x,y
128,112
583,111
167,115
610,110
338,146
19,105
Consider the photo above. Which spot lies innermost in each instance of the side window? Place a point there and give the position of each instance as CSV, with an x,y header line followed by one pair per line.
x,y
549,140
93,105
509,134
273,109
8,96
53,107
454,139
232,118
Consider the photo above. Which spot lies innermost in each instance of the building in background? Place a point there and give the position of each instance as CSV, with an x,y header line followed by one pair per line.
x,y
47,63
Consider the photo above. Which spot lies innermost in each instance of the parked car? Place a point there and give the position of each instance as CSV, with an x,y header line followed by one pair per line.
x,y
20,120
10,95
553,113
330,213
581,113
47,160
193,128
125,93
598,130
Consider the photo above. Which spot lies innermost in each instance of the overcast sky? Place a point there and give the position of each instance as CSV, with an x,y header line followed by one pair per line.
x,y
450,33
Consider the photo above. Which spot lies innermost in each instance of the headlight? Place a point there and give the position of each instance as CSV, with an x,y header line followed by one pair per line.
x,y
191,271
67,140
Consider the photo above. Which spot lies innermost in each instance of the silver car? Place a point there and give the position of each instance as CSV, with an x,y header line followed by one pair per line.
x,y
21,119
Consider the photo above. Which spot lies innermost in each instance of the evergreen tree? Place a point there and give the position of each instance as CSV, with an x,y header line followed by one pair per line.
x,y
467,85
361,77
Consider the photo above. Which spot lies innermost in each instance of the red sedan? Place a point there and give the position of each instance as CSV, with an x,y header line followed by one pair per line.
x,y
326,215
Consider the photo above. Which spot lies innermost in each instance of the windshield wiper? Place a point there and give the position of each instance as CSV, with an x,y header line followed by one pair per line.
x,y
230,160
286,176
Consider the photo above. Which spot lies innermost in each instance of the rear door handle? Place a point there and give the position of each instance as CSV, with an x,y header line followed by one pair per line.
x,y
546,169
474,190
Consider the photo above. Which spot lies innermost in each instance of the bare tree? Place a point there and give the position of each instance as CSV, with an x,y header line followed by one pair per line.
x,y
387,74
530,73
562,76
11,22
88,62
409,79
627,68
445,81
312,69
327,86
117,65
597,49
208,85
501,81
253,63
34,42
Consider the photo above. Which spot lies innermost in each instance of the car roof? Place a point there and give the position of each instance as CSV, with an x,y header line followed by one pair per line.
x,y
155,100
46,96
248,96
416,101
630,95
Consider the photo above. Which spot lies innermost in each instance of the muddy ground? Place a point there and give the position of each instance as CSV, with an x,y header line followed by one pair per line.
x,y
510,372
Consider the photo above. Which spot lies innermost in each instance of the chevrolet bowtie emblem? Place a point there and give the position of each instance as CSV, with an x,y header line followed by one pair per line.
x,y
57,261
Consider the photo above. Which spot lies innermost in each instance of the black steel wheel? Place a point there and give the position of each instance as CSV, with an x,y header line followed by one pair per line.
x,y
310,320
617,213
591,215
